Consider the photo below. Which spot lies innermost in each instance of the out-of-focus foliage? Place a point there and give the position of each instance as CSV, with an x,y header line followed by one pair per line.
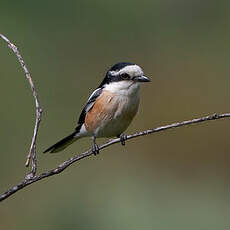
x,y
177,179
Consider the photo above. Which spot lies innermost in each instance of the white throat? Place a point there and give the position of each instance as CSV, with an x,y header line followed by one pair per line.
x,y
123,87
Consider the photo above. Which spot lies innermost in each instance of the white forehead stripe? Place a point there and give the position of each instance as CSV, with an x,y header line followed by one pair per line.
x,y
132,70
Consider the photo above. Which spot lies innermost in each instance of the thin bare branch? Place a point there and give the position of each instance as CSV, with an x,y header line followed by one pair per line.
x,y
32,150
79,157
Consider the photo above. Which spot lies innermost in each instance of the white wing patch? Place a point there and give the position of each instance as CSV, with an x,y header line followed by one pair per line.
x,y
89,104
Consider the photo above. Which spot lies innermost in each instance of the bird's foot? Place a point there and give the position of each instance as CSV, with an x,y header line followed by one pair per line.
x,y
95,149
123,138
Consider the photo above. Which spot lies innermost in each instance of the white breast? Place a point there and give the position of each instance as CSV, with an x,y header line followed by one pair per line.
x,y
126,101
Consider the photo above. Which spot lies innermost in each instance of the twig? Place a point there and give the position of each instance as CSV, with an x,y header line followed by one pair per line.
x,y
32,151
76,158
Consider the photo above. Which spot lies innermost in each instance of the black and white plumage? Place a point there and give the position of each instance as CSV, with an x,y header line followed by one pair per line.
x,y
110,108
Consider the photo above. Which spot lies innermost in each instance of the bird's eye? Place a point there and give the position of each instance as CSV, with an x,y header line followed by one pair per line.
x,y
125,76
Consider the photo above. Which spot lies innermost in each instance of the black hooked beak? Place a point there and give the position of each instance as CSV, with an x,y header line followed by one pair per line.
x,y
142,79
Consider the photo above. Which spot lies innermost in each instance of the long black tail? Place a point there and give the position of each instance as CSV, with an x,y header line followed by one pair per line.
x,y
62,144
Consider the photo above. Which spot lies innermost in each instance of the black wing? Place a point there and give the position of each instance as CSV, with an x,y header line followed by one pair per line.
x,y
89,105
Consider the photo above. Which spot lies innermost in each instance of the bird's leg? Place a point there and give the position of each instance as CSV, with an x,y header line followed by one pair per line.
x,y
95,148
123,138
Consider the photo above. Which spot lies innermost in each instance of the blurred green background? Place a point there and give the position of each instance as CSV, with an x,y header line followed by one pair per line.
x,y
178,179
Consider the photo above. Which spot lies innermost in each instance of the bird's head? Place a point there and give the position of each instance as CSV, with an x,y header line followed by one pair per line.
x,y
122,76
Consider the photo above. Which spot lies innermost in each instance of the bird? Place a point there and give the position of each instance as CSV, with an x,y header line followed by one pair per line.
x,y
110,109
